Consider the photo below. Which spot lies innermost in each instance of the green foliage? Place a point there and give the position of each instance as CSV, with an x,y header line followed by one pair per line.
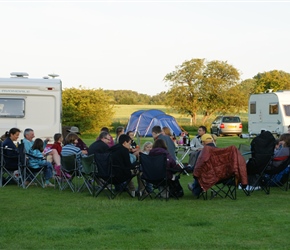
x,y
203,87
275,80
129,97
88,109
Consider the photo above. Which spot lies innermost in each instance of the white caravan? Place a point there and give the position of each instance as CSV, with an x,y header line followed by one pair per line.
x,y
269,111
30,103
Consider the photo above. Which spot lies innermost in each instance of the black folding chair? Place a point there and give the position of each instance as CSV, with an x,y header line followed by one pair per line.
x,y
277,176
10,168
104,174
153,170
108,176
69,170
262,151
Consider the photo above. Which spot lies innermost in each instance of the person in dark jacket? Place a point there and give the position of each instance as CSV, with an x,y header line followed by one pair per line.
x,y
157,134
10,149
159,147
101,145
121,160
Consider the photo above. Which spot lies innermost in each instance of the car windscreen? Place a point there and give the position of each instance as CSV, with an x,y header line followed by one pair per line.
x,y
231,119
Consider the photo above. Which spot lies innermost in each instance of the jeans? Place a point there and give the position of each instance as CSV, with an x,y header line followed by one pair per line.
x,y
47,170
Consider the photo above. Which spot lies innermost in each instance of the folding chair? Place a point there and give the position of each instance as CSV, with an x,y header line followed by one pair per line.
x,y
10,167
104,174
33,176
220,170
153,170
277,176
262,151
87,173
69,170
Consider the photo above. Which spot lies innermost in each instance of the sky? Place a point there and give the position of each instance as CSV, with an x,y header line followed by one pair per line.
x,y
132,45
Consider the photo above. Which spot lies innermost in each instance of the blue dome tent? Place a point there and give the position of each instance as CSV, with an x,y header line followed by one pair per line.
x,y
142,121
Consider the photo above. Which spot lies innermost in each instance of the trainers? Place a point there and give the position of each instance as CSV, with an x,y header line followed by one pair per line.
x,y
189,185
49,185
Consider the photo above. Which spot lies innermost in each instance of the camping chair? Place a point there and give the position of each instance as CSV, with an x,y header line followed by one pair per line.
x,y
153,170
87,173
68,170
9,173
219,170
262,151
104,174
33,176
277,176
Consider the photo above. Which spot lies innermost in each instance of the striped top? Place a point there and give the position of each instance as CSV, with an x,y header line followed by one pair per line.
x,y
71,149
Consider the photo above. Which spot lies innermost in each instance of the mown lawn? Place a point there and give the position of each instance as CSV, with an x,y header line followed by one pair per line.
x,y
51,219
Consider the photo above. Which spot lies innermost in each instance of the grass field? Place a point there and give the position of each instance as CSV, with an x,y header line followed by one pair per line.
x,y
51,219
123,113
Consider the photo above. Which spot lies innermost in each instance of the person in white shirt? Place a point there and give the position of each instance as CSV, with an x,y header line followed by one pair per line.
x,y
196,145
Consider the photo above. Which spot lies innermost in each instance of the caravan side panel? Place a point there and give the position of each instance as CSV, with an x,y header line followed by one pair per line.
x,y
269,111
31,103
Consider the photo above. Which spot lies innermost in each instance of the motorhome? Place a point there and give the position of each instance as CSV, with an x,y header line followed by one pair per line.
x,y
31,103
269,111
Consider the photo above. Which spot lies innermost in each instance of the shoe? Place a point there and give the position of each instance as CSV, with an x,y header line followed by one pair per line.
x,y
133,193
189,185
49,185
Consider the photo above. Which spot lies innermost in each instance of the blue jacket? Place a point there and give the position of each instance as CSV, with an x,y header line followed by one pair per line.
x,y
37,160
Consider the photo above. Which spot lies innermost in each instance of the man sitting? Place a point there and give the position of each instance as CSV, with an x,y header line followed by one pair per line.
x,y
206,140
101,145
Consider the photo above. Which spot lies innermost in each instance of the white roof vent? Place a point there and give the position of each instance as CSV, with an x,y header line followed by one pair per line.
x,y
53,75
18,74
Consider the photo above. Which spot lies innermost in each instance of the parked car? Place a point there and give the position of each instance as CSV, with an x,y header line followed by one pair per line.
x,y
223,125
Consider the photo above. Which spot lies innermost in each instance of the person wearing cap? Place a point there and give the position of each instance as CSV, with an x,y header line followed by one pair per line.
x,y
207,140
80,144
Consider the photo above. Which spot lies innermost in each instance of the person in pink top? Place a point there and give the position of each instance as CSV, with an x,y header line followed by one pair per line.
x,y
57,146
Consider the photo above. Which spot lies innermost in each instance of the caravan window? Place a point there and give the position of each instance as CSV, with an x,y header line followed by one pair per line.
x,y
273,108
287,109
12,107
253,108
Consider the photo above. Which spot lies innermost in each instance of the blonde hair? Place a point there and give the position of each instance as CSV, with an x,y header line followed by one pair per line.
x,y
147,143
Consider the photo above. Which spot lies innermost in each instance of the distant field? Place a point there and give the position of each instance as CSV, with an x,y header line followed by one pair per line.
x,y
123,112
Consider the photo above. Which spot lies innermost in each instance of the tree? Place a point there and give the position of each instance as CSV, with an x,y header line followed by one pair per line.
x,y
205,87
217,92
184,82
274,80
88,109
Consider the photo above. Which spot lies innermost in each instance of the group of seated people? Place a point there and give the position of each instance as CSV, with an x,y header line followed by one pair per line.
x,y
124,151
125,154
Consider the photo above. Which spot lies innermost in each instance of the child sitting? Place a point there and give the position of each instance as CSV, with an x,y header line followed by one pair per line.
x,y
38,161
57,145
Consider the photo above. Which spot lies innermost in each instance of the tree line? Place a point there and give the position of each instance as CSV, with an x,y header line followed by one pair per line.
x,y
196,87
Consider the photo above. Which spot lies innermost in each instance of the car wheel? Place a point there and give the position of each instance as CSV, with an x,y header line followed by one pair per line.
x,y
218,133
